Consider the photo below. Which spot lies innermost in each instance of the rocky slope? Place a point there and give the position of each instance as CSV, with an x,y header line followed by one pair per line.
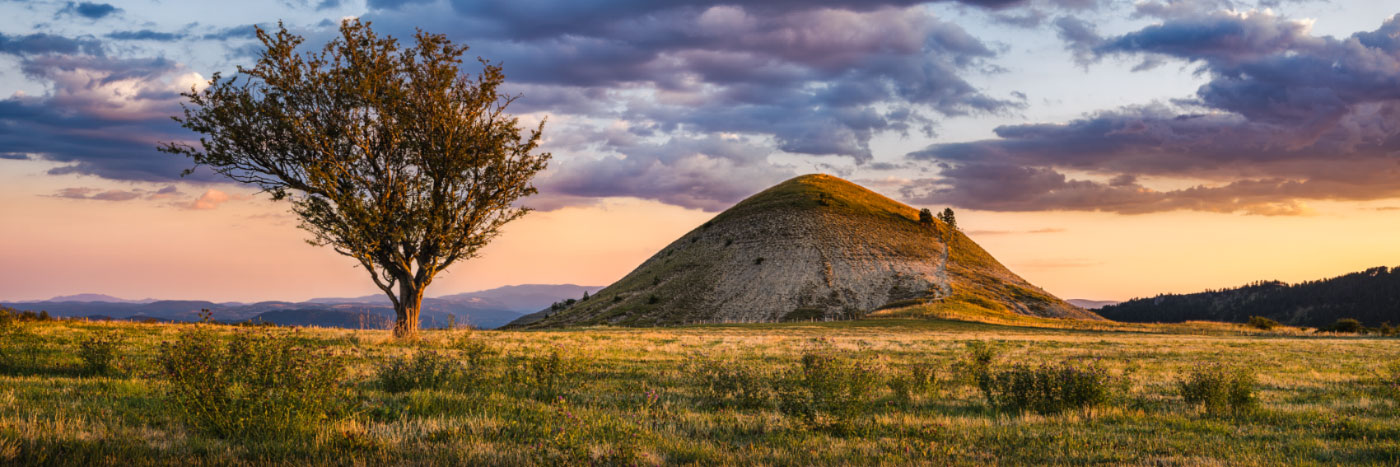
x,y
814,247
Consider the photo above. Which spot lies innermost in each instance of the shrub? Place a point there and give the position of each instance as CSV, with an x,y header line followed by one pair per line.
x,y
1046,389
426,369
19,348
733,383
1260,322
1347,325
916,380
975,364
829,385
257,385
98,353
1389,381
546,376
1218,389
473,349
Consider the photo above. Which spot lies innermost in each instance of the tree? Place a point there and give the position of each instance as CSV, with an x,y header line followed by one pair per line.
x,y
947,217
925,216
389,155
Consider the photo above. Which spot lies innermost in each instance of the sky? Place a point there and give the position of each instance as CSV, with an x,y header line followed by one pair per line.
x,y
1101,149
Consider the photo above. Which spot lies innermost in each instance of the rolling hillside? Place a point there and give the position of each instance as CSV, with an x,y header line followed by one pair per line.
x,y
813,247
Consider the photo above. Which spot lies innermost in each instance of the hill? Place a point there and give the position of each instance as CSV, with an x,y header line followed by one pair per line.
x,y
813,247
1371,296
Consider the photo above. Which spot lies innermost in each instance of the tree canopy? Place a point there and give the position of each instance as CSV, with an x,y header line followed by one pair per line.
x,y
389,154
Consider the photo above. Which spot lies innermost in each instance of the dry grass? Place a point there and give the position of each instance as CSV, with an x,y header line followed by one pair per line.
x,y
634,401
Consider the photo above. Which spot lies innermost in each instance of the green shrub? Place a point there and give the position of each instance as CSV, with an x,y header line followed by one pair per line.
x,y
975,364
914,381
1047,388
473,349
1347,325
19,348
98,353
257,385
1218,389
733,383
1260,322
426,369
830,389
546,376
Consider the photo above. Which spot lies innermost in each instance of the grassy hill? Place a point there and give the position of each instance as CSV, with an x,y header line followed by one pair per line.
x,y
1371,296
813,247
709,395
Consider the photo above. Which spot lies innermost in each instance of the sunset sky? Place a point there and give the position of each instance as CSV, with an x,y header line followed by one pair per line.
x,y
1101,149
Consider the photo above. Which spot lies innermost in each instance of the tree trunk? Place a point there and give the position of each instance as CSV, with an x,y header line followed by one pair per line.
x,y
410,304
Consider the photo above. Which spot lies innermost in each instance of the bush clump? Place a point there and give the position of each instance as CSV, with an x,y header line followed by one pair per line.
x,y
425,369
732,383
914,381
546,376
1347,325
98,354
1260,322
256,385
1047,388
830,389
1220,390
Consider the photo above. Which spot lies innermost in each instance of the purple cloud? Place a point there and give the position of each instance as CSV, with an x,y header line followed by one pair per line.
x,y
1286,117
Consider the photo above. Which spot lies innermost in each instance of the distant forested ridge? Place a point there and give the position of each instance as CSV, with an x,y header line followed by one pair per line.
x,y
1371,296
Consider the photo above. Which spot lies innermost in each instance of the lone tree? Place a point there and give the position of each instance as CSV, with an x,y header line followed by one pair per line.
x,y
947,217
389,155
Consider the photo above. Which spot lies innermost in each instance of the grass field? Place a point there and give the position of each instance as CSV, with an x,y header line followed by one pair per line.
x,y
659,396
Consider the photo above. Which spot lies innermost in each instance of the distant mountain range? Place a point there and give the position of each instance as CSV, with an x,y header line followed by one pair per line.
x,y
1371,296
486,309
1091,304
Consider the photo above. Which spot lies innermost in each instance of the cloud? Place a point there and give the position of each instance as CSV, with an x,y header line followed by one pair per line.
x,y
979,233
93,11
709,173
211,199
14,156
145,35
101,115
1286,117
771,72
40,43
116,195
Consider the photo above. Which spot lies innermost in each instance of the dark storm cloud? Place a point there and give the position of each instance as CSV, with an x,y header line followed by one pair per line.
x,y
1286,117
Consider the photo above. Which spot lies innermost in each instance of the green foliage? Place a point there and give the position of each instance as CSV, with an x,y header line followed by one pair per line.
x,y
1047,388
98,353
1219,389
975,364
426,369
1260,322
925,216
732,383
547,376
830,389
257,385
577,438
949,218
914,381
1347,325
19,349
441,177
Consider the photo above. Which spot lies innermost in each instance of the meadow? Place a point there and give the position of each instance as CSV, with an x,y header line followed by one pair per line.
x,y
876,391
